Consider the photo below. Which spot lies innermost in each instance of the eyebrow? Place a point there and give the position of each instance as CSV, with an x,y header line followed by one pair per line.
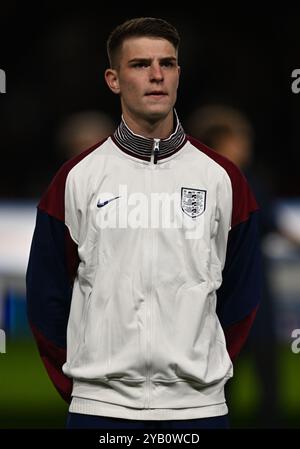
x,y
148,60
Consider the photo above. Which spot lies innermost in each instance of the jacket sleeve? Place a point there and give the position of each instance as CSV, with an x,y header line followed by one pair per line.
x,y
239,295
51,270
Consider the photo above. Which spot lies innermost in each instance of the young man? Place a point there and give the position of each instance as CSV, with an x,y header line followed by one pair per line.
x,y
143,275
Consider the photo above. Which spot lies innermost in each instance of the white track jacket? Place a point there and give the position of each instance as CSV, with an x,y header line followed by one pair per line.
x,y
143,277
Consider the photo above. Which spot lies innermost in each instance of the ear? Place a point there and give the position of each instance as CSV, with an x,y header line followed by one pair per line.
x,y
179,70
112,80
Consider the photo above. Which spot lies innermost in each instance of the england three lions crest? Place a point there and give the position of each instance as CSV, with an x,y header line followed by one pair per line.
x,y
193,201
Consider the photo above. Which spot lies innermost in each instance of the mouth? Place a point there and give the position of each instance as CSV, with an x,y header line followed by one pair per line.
x,y
156,93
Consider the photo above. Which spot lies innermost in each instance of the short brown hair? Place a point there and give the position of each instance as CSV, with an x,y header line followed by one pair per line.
x,y
140,27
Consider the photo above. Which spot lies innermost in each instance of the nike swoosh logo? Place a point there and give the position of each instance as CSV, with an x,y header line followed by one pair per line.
x,y
99,204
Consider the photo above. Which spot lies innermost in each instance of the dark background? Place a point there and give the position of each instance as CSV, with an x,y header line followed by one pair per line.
x,y
54,58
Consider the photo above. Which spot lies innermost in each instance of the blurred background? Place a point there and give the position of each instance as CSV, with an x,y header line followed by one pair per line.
x,y
235,95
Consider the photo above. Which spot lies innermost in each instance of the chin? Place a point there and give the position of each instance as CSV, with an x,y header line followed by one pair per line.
x,y
157,113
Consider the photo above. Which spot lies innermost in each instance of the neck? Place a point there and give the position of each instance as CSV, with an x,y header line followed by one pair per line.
x,y
152,129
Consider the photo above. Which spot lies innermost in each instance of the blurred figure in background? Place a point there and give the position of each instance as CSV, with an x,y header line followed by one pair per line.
x,y
229,132
81,130
73,134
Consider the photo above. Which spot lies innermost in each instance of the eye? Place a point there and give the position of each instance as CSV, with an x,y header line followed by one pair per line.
x,y
139,65
168,64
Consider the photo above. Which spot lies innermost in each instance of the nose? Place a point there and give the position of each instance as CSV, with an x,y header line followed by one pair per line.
x,y
156,73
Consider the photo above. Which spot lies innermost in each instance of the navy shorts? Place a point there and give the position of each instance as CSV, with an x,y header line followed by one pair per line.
x,y
83,421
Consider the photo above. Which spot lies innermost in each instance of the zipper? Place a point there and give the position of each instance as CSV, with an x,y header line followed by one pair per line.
x,y
155,151
148,389
148,302
150,313
151,266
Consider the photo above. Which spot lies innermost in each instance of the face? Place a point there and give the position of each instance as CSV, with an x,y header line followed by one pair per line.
x,y
146,79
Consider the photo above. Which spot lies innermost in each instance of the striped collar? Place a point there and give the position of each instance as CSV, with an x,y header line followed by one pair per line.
x,y
146,148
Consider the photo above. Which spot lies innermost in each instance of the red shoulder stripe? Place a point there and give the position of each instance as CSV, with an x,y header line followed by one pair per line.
x,y
243,200
53,201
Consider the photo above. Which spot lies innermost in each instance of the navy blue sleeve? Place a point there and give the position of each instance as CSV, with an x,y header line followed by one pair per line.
x,y
48,290
240,292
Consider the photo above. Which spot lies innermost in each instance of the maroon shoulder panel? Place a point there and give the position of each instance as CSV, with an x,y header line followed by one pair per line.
x,y
53,200
243,200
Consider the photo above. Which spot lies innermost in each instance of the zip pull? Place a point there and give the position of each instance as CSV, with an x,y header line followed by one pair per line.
x,y
155,151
